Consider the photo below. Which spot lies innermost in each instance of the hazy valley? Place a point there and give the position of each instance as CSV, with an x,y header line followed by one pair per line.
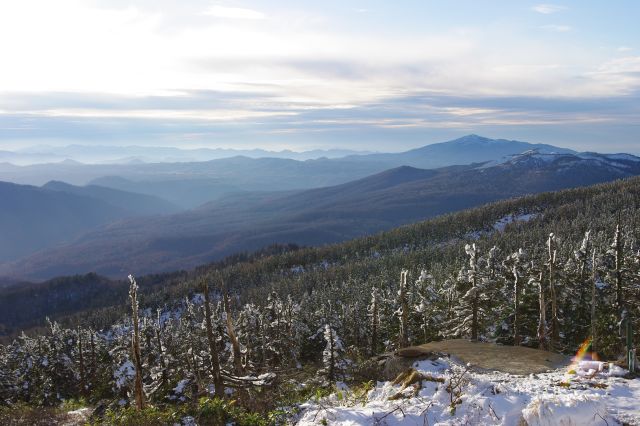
x,y
129,239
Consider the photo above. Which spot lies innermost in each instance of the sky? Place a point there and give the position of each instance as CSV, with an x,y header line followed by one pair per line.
x,y
363,75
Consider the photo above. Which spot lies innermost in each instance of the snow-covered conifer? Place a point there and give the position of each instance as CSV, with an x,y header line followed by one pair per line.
x,y
403,310
332,355
135,344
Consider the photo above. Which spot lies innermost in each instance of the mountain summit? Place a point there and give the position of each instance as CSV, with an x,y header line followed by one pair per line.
x,y
465,150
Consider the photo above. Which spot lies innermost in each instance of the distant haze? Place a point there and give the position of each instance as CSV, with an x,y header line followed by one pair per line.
x,y
132,154
160,216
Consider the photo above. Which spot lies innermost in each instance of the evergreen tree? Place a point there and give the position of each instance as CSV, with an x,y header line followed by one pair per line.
x,y
332,355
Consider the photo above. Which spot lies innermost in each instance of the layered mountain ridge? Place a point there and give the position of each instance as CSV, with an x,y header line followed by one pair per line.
x,y
249,221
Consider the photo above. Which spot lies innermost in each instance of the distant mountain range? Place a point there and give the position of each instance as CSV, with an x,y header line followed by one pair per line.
x,y
249,221
132,154
190,184
34,218
431,156
137,204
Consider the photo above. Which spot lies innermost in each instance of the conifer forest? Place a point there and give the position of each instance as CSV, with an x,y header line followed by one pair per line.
x,y
249,339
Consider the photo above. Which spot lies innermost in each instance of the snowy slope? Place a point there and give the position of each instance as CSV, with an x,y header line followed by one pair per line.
x,y
488,398
538,158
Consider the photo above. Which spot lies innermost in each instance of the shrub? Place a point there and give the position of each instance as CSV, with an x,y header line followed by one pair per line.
x,y
129,416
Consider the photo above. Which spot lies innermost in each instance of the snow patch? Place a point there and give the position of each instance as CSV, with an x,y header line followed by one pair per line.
x,y
502,223
487,398
551,411
124,373
198,299
179,389
298,269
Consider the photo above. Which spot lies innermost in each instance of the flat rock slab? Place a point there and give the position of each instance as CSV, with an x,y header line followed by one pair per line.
x,y
489,356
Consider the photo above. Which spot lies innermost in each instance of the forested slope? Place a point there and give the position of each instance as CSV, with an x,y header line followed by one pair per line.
x,y
479,273
314,217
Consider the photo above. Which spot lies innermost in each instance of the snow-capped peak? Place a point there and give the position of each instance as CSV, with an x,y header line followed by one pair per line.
x,y
541,158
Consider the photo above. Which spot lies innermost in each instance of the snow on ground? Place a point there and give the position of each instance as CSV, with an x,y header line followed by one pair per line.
x,y
77,417
503,222
488,398
500,225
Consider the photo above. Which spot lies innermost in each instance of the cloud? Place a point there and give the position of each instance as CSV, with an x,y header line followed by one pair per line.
x,y
253,121
557,28
548,9
233,13
128,51
228,115
621,75
624,49
163,69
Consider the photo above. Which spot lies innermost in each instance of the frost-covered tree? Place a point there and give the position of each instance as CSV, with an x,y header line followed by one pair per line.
x,y
516,261
214,356
577,288
541,331
135,344
617,248
472,284
426,306
373,312
248,327
403,310
7,384
332,355
551,263
236,355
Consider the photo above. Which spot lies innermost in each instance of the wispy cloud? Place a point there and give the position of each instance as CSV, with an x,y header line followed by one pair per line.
x,y
220,115
620,74
233,13
146,69
548,9
557,28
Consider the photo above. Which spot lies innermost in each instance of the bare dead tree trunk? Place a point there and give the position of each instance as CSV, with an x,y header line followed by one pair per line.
x,y
374,322
594,277
618,247
289,320
237,353
163,364
218,383
263,339
354,318
555,330
93,356
192,362
135,344
332,361
475,301
516,307
83,379
542,322
404,315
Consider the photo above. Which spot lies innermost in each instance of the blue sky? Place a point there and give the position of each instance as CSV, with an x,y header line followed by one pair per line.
x,y
371,75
